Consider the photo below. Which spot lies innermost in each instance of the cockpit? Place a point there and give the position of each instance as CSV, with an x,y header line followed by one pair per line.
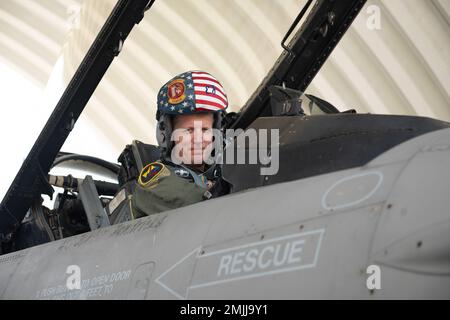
x,y
305,134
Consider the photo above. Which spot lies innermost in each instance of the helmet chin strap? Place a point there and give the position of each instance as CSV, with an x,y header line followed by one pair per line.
x,y
201,179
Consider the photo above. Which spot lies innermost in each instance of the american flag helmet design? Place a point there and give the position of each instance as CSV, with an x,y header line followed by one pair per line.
x,y
192,92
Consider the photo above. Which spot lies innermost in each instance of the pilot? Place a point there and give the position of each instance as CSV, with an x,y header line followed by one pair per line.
x,y
190,107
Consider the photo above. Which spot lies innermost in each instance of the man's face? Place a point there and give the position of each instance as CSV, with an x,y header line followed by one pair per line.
x,y
193,135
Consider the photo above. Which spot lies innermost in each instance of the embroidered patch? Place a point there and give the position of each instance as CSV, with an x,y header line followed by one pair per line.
x,y
150,173
176,91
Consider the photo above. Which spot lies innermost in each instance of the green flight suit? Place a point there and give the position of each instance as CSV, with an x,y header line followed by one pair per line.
x,y
159,189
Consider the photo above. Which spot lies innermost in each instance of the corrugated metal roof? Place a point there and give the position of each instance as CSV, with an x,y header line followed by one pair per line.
x,y
402,67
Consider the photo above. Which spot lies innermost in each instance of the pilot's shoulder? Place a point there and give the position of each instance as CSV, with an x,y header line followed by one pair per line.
x,y
152,173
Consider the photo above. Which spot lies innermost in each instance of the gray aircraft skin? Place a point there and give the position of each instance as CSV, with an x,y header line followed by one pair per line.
x,y
310,238
377,230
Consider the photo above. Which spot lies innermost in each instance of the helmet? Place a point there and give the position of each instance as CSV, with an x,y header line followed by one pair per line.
x,y
188,93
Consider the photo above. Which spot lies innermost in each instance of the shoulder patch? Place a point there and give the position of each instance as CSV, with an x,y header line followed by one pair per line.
x,y
150,173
